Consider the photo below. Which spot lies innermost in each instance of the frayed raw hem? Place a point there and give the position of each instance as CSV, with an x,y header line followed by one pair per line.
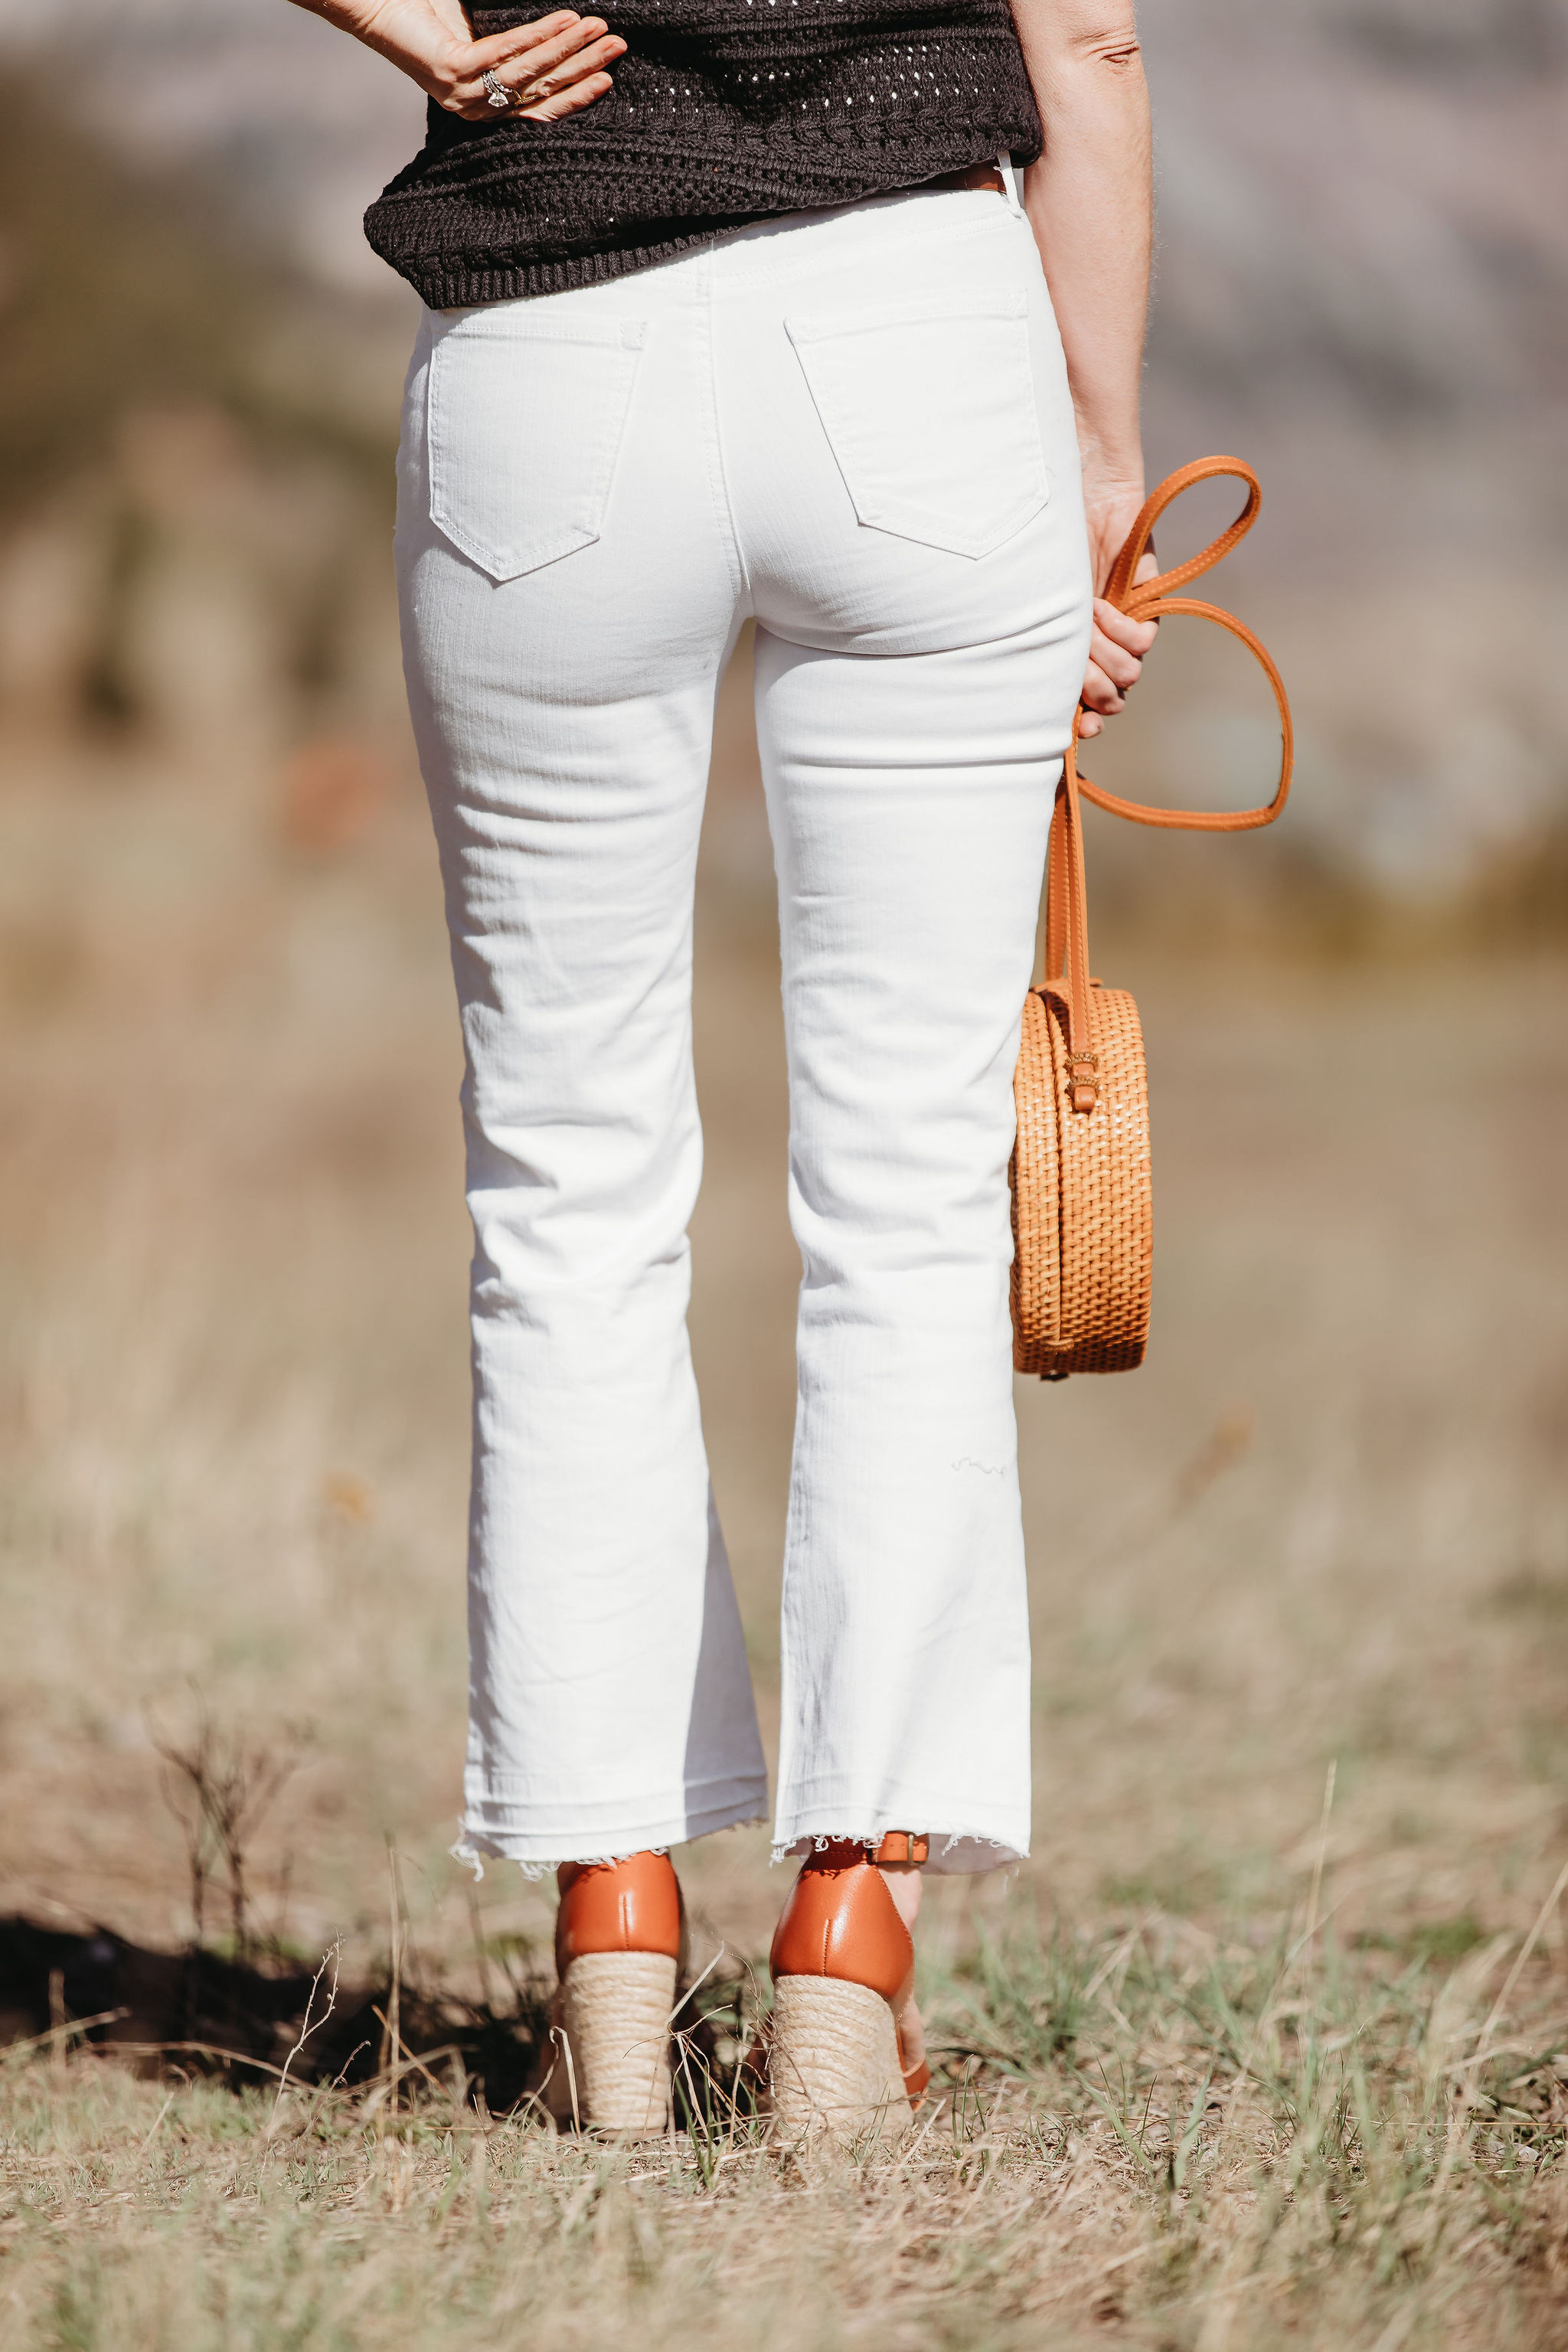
x,y
534,1871
961,1852
473,1859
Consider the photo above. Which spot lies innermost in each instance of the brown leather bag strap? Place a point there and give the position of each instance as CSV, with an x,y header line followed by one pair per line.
x,y
1067,905
1153,599
1066,932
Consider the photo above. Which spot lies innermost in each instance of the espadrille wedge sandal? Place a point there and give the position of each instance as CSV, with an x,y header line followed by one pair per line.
x,y
617,1955
843,1967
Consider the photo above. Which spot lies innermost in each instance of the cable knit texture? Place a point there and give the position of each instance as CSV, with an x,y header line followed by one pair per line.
x,y
724,111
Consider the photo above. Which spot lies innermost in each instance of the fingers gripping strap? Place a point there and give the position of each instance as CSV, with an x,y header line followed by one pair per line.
x,y
1066,910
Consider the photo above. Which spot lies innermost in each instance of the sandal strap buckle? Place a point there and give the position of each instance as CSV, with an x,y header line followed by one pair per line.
x,y
899,1846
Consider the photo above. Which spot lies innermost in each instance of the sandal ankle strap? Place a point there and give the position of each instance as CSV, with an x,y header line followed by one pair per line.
x,y
899,1846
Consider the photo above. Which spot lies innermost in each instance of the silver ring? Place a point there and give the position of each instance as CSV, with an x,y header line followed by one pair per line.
x,y
496,92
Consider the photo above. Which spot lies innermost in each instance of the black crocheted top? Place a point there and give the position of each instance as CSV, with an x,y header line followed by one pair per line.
x,y
724,111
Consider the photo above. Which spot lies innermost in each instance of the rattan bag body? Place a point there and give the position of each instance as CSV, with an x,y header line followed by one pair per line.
x,y
1083,1227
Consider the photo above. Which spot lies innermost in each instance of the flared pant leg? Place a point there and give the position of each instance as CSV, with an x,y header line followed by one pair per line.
x,y
564,715
902,458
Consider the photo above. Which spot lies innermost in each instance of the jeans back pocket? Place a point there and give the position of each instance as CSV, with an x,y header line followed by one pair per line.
x,y
524,420
929,408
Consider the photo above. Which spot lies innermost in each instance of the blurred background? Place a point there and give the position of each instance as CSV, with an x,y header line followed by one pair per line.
x,y
1328,1523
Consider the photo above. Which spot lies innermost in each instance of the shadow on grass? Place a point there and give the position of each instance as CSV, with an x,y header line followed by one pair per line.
x,y
195,2011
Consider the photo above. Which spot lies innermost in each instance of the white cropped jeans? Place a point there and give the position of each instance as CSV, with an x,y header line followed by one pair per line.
x,y
855,426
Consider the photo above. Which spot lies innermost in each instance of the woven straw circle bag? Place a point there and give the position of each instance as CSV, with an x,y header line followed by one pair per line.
x,y
1082,1190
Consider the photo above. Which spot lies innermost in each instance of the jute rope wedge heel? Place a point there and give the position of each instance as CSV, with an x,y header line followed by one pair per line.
x,y
617,1956
834,2064
615,2014
843,1967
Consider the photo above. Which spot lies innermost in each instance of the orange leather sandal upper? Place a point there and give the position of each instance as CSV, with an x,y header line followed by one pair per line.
x,y
839,1921
618,1906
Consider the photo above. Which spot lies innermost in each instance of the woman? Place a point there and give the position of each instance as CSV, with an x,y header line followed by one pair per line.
x,y
762,331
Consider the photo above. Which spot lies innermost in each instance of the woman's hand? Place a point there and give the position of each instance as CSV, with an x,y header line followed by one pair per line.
x,y
1116,646
553,66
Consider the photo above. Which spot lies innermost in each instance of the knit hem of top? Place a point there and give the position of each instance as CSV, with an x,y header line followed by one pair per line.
x,y
722,113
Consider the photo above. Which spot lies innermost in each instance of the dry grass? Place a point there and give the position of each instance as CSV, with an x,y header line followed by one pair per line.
x,y
1160,2139
1327,1526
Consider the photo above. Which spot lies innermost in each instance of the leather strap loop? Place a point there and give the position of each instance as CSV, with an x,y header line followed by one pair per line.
x,y
1067,980
1119,588
1152,600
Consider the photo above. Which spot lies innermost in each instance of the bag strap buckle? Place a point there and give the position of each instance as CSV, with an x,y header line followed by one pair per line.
x,y
1084,1081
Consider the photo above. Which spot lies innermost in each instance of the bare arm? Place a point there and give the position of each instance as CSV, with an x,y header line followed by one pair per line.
x,y
553,66
1089,204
